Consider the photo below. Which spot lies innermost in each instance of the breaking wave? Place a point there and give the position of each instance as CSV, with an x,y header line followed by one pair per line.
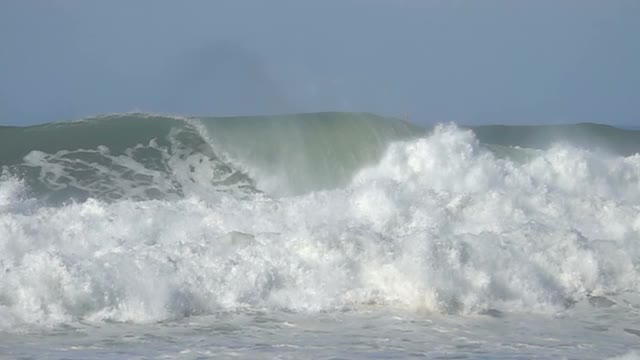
x,y
141,218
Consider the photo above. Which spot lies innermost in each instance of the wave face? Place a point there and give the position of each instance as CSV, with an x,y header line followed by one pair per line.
x,y
433,221
292,155
144,157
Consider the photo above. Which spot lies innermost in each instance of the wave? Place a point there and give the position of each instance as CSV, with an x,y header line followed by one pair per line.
x,y
439,222
142,156
145,156
296,154
591,136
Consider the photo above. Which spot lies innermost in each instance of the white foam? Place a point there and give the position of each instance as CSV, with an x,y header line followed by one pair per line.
x,y
12,192
438,225
7,193
144,171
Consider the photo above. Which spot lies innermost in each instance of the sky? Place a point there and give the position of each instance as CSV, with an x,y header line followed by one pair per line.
x,y
471,62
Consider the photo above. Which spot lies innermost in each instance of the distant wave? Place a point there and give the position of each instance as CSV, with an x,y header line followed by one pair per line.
x,y
584,135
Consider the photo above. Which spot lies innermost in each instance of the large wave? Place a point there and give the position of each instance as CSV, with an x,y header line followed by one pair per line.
x,y
433,221
140,156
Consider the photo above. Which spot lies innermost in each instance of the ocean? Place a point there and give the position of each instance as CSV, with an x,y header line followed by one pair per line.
x,y
318,236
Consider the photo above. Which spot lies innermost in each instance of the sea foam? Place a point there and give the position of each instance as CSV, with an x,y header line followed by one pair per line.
x,y
439,224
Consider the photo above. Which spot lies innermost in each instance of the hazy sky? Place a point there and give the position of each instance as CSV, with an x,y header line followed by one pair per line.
x,y
465,61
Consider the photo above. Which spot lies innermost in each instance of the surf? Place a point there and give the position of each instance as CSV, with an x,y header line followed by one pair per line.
x,y
384,214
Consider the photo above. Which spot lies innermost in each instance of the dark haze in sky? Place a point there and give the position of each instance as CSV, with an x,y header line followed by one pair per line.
x,y
465,61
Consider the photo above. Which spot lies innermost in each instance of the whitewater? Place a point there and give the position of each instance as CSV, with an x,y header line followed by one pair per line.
x,y
330,235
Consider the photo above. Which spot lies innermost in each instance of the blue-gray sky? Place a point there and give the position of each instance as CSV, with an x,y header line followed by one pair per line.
x,y
467,61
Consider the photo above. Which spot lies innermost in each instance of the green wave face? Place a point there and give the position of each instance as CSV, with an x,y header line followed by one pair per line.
x,y
142,157
291,155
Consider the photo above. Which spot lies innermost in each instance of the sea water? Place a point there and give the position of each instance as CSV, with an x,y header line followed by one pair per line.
x,y
316,236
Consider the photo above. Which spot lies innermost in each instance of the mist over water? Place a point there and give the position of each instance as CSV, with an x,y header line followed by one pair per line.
x,y
310,214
